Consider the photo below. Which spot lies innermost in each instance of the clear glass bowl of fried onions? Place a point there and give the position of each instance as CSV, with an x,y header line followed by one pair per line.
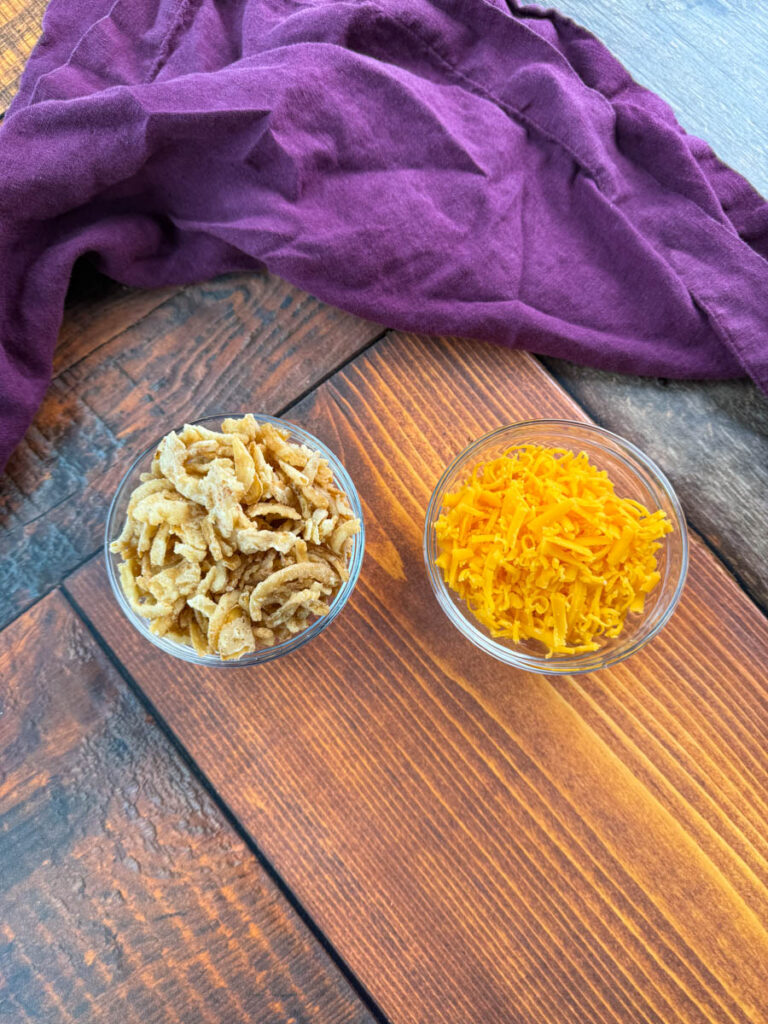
x,y
234,539
556,546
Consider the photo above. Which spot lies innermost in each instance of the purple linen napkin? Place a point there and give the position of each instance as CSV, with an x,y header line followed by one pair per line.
x,y
443,166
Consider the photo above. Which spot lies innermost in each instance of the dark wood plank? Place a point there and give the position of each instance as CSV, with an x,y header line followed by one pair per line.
x,y
132,366
99,309
20,22
126,896
481,844
712,440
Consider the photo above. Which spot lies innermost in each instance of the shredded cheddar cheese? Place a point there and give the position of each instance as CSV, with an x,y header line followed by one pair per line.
x,y
541,548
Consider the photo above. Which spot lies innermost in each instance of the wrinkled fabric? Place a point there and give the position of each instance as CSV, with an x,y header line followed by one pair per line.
x,y
443,166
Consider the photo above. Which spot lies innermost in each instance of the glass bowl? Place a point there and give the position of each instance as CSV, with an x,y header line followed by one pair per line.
x,y
116,519
635,476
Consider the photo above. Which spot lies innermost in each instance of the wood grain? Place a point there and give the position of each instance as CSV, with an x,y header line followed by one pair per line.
x,y
126,895
20,23
97,311
481,844
131,366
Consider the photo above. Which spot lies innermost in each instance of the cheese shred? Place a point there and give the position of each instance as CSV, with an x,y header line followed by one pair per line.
x,y
540,547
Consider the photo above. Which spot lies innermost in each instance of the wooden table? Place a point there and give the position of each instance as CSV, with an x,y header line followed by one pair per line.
x,y
384,826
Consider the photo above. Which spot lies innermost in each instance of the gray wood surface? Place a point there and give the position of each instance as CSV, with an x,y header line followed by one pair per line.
x,y
707,58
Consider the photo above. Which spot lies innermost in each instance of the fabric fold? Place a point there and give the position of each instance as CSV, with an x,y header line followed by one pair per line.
x,y
441,166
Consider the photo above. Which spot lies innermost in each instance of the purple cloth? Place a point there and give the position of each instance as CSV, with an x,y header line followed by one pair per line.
x,y
445,166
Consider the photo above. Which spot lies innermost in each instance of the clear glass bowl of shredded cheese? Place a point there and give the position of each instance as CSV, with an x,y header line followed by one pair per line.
x,y
556,546
271,518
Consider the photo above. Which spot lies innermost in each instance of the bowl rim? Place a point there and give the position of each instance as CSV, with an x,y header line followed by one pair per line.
x,y
262,655
570,664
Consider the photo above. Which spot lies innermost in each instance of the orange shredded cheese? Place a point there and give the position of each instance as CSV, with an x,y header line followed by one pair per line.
x,y
540,547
